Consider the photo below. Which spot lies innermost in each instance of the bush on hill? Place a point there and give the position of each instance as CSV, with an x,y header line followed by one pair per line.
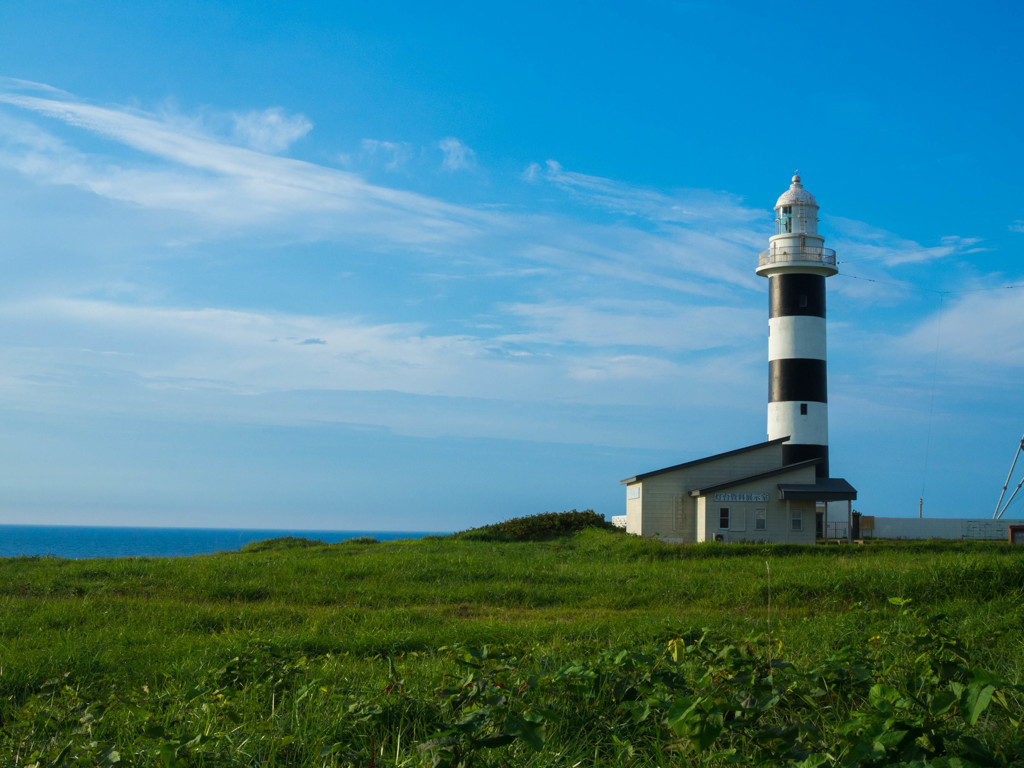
x,y
549,525
282,542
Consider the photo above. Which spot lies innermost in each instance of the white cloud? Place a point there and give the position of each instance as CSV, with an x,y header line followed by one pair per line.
x,y
653,324
690,241
981,330
857,241
627,296
1017,226
531,173
624,368
222,184
395,153
232,190
74,352
457,156
717,209
270,130
235,192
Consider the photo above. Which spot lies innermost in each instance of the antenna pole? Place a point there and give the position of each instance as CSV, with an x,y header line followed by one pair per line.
x,y
997,514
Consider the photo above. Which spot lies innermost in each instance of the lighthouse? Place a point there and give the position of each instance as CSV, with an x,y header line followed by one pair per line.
x,y
796,264
781,489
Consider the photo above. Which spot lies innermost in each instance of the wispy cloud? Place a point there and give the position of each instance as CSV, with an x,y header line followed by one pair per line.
x,y
395,154
985,329
250,353
457,156
532,173
220,183
614,295
686,241
652,324
858,241
270,130
720,210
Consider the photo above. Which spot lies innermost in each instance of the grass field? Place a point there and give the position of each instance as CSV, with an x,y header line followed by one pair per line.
x,y
592,648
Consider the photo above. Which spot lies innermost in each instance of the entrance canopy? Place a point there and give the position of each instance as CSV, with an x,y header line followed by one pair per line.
x,y
825,489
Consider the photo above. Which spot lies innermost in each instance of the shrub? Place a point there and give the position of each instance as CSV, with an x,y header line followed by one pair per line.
x,y
549,525
282,542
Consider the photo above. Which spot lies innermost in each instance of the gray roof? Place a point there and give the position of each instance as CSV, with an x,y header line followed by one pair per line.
x,y
823,489
753,478
697,462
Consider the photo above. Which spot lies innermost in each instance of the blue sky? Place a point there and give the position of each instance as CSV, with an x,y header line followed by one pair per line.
x,y
422,266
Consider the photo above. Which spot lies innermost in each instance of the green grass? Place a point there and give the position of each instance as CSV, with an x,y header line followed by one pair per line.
x,y
299,653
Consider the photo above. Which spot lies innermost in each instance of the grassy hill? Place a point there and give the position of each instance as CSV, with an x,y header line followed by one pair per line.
x,y
586,648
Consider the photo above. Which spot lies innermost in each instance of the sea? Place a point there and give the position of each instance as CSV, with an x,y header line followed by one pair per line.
x,y
77,542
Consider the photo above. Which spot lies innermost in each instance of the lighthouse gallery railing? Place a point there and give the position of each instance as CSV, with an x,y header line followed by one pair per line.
x,y
797,253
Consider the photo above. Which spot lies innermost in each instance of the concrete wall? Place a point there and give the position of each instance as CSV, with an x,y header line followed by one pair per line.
x,y
939,528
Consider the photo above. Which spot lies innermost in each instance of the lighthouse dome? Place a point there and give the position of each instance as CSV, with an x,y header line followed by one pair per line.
x,y
796,195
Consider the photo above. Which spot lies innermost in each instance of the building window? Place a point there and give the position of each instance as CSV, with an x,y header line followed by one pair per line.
x,y
803,409
798,523
803,301
723,518
760,520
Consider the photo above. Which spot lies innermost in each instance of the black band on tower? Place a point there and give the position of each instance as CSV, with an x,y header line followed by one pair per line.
x,y
797,379
796,294
791,454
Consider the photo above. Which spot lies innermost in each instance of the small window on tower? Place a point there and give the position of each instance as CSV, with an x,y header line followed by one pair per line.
x,y
803,409
787,218
803,301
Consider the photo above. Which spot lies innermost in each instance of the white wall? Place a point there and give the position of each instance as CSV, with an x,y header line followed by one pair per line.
x,y
665,508
940,528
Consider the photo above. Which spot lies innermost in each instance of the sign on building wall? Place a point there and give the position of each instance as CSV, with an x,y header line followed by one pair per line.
x,y
741,497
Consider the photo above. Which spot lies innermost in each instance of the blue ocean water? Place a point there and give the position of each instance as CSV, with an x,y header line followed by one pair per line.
x,y
74,541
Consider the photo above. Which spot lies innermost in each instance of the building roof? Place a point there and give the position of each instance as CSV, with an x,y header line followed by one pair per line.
x,y
823,489
796,195
697,462
759,476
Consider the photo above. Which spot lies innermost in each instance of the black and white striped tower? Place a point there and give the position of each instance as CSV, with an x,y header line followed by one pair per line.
x,y
796,264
